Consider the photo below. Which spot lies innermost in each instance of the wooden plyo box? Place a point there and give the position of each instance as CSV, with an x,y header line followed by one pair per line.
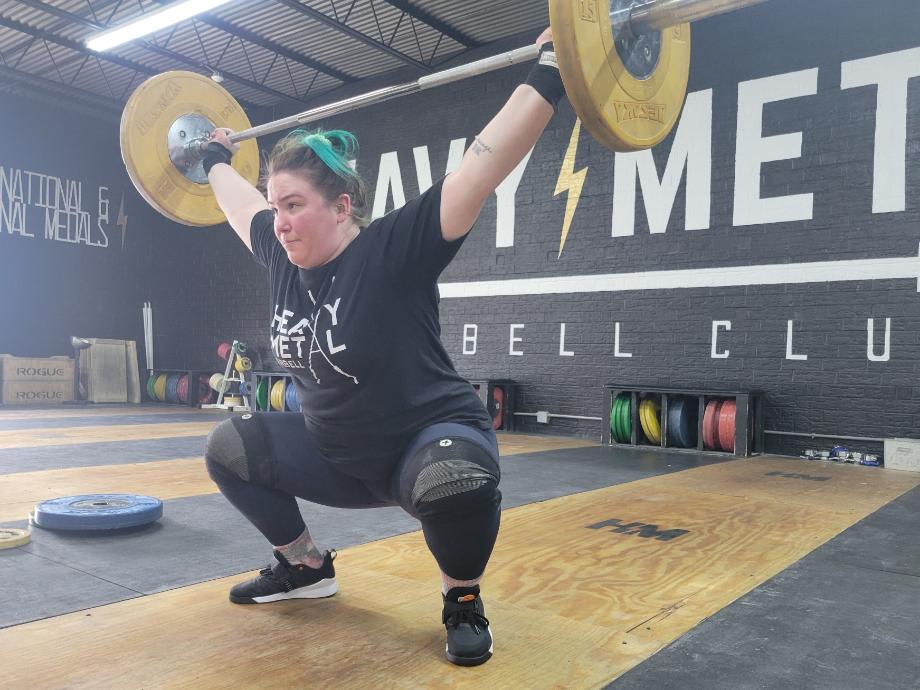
x,y
36,380
37,392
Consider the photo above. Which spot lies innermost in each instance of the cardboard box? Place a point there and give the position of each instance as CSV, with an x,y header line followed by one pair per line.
x,y
43,369
902,454
37,392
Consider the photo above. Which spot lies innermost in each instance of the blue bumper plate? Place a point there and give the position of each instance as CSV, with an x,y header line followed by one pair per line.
x,y
97,512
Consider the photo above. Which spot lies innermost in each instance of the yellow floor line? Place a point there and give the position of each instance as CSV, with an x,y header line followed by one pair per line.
x,y
580,589
166,479
17,413
65,436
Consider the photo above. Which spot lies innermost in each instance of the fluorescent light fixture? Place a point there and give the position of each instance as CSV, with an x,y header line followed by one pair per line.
x,y
150,23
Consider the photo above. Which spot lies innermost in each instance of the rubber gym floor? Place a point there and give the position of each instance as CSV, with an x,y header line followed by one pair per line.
x,y
614,568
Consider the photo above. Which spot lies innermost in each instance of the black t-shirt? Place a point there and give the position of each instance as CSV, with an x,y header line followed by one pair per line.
x,y
361,336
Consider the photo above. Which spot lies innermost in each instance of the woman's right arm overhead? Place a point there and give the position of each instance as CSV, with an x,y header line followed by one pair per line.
x,y
237,198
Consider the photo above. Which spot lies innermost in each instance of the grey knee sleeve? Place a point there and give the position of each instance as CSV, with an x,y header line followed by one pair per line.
x,y
239,445
450,467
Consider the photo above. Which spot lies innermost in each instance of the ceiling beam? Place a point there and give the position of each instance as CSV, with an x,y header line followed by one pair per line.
x,y
28,82
274,47
73,45
148,45
353,33
435,23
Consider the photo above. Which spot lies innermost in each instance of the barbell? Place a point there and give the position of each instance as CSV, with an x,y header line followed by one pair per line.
x,y
625,71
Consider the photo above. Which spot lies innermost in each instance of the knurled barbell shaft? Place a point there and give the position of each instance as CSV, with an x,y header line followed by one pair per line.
x,y
654,15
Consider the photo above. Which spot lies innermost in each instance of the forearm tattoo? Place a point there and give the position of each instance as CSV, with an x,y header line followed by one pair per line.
x,y
480,147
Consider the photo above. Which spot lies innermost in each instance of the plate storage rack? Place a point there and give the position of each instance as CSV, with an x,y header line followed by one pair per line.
x,y
498,396
727,422
271,391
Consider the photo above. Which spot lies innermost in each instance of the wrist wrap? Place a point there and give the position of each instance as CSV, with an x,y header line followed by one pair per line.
x,y
545,78
214,153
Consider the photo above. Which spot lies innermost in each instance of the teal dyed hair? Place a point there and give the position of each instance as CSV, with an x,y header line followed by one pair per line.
x,y
336,148
325,160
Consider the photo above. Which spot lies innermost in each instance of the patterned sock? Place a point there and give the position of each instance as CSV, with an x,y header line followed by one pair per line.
x,y
302,550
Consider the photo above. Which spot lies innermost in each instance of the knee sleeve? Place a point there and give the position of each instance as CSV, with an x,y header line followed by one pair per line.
x,y
240,445
454,476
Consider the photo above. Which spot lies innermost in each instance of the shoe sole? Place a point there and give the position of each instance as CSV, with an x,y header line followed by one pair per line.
x,y
470,660
318,590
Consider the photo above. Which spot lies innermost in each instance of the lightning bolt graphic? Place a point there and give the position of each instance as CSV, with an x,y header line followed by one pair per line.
x,y
122,220
570,181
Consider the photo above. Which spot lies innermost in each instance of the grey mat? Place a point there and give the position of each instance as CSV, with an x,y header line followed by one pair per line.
x,y
182,415
845,616
204,537
13,460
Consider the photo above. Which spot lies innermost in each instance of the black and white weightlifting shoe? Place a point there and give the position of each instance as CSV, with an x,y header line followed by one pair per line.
x,y
469,640
282,580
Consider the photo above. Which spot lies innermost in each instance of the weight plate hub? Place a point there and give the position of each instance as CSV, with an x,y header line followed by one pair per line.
x,y
10,537
164,113
627,91
97,512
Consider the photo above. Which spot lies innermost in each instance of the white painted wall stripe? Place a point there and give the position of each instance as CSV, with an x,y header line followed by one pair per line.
x,y
725,276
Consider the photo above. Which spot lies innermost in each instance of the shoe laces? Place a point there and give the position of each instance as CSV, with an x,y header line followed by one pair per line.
x,y
466,614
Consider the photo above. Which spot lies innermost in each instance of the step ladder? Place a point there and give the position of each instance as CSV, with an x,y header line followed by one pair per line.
x,y
237,350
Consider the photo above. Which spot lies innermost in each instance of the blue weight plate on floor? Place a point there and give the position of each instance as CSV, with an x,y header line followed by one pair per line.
x,y
682,422
97,512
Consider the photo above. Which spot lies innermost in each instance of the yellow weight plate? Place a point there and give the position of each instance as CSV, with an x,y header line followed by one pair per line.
x,y
277,395
648,416
243,364
145,126
215,381
10,537
622,110
160,387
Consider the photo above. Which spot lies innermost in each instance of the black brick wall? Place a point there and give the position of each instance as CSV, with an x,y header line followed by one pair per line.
x,y
836,391
206,289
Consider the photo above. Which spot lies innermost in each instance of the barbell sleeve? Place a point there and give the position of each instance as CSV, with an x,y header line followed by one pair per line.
x,y
657,15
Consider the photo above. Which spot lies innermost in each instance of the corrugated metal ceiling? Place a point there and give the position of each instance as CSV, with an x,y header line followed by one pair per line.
x,y
269,52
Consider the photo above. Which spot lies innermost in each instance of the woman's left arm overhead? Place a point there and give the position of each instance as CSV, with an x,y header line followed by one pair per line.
x,y
494,153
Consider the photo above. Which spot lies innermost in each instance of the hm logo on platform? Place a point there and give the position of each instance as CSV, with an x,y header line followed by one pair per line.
x,y
640,529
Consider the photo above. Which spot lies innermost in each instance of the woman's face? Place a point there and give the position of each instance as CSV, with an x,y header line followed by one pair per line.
x,y
311,229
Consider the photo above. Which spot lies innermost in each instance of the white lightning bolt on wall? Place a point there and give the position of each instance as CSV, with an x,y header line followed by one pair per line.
x,y
570,181
122,220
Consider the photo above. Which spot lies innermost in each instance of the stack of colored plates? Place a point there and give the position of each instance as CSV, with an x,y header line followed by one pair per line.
x,y
277,395
621,419
682,418
649,410
719,425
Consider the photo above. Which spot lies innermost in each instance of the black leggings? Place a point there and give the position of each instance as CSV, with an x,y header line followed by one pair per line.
x,y
460,529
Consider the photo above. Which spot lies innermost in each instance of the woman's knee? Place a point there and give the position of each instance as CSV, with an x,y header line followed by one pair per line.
x,y
455,477
239,446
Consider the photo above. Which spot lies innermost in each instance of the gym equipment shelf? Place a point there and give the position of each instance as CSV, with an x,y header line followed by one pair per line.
x,y
262,401
498,395
194,379
748,418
